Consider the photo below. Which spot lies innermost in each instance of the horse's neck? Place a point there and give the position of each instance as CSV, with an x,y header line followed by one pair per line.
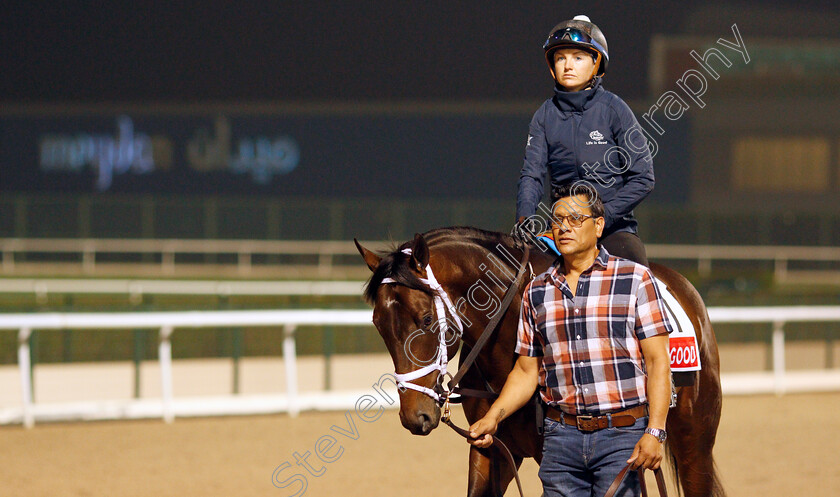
x,y
479,272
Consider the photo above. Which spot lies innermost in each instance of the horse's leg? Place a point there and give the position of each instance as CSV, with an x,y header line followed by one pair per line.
x,y
489,473
692,427
479,482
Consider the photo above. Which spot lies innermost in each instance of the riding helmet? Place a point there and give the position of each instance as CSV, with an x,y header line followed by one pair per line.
x,y
578,32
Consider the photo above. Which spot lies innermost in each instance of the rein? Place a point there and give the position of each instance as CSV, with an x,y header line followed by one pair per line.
x,y
443,302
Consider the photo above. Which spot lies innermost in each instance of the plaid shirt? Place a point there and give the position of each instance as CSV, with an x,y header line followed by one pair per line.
x,y
592,361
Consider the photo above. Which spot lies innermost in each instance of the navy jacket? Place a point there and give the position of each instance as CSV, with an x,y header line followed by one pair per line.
x,y
589,135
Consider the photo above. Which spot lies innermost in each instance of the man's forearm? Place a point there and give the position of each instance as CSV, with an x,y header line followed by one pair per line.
x,y
659,393
518,389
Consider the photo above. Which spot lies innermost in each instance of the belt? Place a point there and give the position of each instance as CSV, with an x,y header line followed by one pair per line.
x,y
593,423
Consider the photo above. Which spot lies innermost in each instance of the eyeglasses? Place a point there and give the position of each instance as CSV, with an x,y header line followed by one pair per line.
x,y
572,221
570,34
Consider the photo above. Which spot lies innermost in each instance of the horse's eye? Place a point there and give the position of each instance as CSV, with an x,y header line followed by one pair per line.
x,y
427,321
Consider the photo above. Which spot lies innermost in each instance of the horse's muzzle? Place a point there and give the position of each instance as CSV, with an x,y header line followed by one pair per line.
x,y
420,421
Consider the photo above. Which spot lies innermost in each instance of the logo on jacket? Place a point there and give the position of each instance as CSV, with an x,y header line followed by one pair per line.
x,y
597,138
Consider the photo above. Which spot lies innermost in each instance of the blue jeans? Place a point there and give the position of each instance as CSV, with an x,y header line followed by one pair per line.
x,y
584,464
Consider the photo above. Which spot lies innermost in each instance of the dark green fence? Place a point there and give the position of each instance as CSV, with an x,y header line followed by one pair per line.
x,y
296,218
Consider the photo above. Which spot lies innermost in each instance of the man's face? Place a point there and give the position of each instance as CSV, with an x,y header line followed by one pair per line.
x,y
575,231
573,68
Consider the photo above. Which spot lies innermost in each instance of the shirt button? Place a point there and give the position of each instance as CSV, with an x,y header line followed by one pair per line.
x,y
578,337
581,363
577,311
586,390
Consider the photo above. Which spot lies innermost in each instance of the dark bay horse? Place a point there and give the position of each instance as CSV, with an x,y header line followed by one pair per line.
x,y
474,267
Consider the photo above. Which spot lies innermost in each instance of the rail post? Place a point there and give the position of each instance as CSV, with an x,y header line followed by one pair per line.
x,y
165,357
290,361
780,265
236,354
329,348
779,357
243,262
139,353
25,376
8,260
88,258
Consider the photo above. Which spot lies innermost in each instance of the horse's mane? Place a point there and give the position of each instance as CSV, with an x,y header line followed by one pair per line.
x,y
394,264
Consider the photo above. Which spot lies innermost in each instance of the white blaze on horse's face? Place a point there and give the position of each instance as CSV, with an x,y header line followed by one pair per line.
x,y
401,316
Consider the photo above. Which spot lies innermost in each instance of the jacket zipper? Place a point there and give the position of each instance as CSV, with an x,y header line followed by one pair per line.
x,y
576,117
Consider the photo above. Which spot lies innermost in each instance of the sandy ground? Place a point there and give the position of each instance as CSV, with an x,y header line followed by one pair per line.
x,y
767,446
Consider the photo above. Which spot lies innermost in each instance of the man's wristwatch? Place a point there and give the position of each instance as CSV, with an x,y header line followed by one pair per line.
x,y
660,435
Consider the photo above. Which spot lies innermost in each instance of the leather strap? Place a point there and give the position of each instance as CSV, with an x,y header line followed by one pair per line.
x,y
660,482
471,392
512,290
502,448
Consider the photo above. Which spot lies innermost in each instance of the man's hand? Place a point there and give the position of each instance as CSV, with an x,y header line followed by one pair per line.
x,y
647,453
482,431
518,389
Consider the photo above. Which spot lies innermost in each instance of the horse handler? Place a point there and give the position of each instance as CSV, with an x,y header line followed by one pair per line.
x,y
593,336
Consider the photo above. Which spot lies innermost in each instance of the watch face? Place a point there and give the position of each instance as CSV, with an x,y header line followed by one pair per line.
x,y
659,434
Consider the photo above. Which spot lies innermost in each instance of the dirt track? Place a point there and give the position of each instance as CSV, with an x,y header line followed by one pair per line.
x,y
767,446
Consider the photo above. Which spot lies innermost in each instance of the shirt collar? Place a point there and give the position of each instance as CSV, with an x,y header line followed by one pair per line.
x,y
555,273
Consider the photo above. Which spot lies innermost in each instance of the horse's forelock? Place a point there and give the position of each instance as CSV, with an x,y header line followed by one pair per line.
x,y
394,265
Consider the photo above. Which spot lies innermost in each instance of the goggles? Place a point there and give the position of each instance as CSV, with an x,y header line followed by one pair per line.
x,y
568,34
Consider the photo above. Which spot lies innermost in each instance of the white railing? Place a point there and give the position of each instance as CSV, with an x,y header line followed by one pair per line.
x,y
290,320
167,250
136,288
326,251
167,322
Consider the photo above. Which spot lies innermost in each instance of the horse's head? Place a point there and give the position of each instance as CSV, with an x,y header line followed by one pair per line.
x,y
404,314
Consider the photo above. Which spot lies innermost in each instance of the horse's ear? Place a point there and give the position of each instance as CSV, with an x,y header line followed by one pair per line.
x,y
371,259
419,253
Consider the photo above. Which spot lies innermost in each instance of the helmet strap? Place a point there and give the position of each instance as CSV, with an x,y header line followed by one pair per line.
x,y
597,65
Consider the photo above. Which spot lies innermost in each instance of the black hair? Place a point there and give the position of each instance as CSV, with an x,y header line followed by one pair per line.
x,y
583,188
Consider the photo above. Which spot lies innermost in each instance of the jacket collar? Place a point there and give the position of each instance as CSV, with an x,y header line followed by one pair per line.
x,y
576,101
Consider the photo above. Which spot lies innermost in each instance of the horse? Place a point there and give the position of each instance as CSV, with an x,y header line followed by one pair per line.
x,y
471,267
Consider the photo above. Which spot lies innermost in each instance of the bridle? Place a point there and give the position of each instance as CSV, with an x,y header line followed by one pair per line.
x,y
442,303
452,392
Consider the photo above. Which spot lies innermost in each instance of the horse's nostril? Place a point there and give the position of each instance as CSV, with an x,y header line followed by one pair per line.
x,y
426,422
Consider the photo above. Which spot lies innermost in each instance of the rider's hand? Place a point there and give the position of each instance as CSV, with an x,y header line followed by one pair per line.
x,y
647,453
482,432
520,229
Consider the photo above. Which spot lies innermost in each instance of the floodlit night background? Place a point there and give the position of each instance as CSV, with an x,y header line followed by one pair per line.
x,y
330,120
332,102
202,157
